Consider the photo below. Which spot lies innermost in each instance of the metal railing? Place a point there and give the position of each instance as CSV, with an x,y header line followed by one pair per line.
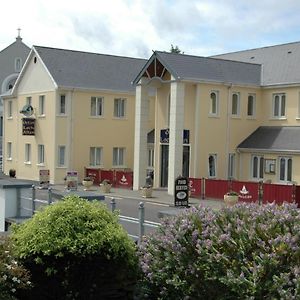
x,y
140,221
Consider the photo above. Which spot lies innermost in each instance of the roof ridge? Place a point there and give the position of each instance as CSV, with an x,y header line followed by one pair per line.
x,y
87,52
211,58
257,48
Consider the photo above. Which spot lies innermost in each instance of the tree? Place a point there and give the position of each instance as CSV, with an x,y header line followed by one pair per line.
x,y
175,49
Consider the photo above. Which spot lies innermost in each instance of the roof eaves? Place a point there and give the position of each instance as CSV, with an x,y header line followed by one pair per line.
x,y
111,91
168,67
268,150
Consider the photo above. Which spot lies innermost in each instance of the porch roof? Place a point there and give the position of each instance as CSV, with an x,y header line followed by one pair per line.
x,y
197,68
273,139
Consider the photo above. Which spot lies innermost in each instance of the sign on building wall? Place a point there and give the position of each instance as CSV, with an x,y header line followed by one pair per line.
x,y
164,136
28,126
72,180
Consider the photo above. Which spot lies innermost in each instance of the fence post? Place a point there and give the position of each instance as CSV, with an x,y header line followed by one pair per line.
x,y
294,193
141,221
49,200
33,200
203,188
260,192
113,204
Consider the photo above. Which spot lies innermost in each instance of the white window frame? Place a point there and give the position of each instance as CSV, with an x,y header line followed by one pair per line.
x,y
98,109
41,154
168,108
61,159
288,169
231,165
253,105
212,105
120,108
281,114
259,174
119,156
42,105
9,109
9,151
96,154
29,100
212,170
62,112
27,153
150,161
238,104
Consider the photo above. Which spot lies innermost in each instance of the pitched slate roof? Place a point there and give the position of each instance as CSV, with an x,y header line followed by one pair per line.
x,y
197,68
273,139
76,69
280,63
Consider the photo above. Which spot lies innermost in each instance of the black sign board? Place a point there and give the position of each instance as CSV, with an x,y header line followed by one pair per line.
x,y
181,193
28,126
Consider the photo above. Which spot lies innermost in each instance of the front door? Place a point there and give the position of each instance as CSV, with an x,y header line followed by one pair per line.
x,y
164,165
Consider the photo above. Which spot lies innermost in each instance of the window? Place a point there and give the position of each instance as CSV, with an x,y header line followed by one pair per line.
x,y
42,105
235,104
231,165
279,105
257,167
96,106
18,64
118,156
62,105
214,103
41,154
28,100
212,165
61,158
251,105
27,153
285,169
95,156
9,151
119,107
9,109
150,157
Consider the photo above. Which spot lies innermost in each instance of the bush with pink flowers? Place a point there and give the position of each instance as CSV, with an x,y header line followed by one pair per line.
x,y
245,252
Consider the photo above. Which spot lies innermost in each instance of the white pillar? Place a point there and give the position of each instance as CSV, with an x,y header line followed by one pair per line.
x,y
140,134
196,147
176,134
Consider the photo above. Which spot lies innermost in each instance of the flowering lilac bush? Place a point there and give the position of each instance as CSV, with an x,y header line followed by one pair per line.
x,y
244,252
13,277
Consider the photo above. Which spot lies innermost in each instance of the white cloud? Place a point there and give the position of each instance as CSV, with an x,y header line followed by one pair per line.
x,y
135,27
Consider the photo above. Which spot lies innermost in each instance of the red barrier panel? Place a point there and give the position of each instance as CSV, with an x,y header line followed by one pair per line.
x,y
215,188
248,191
93,173
195,187
107,174
124,179
277,192
297,195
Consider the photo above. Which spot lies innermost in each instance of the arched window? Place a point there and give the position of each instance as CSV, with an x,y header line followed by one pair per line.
x,y
18,64
212,168
251,105
235,104
214,103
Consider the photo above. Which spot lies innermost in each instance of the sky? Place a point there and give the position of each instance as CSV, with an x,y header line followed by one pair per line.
x,y
137,27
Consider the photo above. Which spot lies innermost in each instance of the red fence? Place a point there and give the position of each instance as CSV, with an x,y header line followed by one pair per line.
x,y
248,191
118,178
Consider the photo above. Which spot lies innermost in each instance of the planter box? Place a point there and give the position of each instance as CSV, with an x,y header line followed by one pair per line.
x,y
231,200
105,188
146,192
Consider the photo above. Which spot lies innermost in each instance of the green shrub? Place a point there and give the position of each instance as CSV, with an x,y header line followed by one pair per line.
x,y
76,249
246,252
13,277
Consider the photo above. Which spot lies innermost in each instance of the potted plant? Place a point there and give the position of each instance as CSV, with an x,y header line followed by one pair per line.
x,y
105,186
147,188
231,198
87,182
12,173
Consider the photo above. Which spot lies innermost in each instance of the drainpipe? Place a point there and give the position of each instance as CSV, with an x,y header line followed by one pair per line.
x,y
229,87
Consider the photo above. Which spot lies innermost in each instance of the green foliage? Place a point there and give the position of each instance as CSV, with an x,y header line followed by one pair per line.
x,y
75,249
13,276
175,49
245,252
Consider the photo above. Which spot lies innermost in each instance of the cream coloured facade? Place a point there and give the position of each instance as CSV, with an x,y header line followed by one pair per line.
x,y
232,116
